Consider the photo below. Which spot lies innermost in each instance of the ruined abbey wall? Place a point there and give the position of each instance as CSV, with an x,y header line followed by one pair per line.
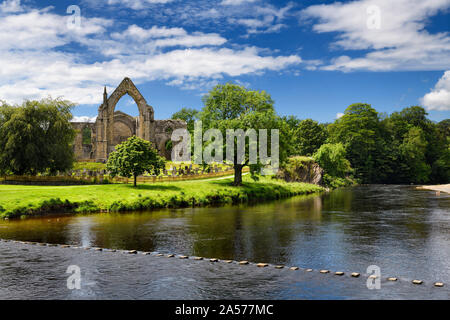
x,y
113,127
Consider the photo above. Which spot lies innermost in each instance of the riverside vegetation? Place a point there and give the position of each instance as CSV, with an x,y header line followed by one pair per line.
x,y
363,146
23,201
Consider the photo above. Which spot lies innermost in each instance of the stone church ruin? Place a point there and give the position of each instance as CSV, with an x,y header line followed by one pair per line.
x,y
95,141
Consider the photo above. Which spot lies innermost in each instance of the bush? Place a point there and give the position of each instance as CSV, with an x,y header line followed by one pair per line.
x,y
331,157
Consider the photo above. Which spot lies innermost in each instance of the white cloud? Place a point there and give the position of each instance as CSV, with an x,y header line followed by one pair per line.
x,y
235,2
136,4
141,34
35,62
339,115
439,97
264,19
84,119
401,42
10,6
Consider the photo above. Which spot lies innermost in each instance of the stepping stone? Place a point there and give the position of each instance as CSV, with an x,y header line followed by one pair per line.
x,y
213,260
294,268
198,258
438,284
339,273
309,270
324,271
392,279
183,257
355,274
262,265
279,267
170,255
228,261
132,252
243,263
417,281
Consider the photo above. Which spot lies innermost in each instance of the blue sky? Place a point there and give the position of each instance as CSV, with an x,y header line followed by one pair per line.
x,y
314,57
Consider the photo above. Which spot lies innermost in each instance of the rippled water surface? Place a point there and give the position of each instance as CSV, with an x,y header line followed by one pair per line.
x,y
406,232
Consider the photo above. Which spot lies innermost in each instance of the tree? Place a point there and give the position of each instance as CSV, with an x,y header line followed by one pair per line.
x,y
36,137
291,123
361,133
310,135
189,115
413,151
134,157
231,106
411,131
331,158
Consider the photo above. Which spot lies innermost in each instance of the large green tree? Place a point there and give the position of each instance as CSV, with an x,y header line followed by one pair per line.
x,y
231,106
133,158
309,136
361,132
36,137
413,150
419,147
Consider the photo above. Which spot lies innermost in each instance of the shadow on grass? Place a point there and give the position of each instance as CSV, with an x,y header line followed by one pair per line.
x,y
253,186
154,187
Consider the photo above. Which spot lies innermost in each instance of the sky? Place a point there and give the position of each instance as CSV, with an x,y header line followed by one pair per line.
x,y
314,58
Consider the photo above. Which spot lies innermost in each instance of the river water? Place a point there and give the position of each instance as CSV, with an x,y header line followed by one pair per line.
x,y
403,231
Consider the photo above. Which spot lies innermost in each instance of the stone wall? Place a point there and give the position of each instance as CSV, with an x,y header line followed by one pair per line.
x,y
113,127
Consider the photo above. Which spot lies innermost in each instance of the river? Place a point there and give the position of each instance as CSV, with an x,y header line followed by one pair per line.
x,y
403,231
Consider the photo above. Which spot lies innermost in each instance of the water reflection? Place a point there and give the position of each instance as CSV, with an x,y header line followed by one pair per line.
x,y
402,230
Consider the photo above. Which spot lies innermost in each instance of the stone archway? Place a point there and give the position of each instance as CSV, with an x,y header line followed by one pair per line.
x,y
124,127
106,118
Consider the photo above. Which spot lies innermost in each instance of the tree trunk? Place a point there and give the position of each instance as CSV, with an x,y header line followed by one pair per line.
x,y
238,174
135,181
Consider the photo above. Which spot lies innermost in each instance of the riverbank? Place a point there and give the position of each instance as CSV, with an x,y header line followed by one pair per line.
x,y
440,187
26,201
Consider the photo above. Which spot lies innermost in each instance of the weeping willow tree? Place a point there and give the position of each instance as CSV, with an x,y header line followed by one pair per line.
x,y
36,137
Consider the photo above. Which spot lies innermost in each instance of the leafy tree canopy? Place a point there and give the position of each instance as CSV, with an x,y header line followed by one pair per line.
x,y
36,137
331,157
189,115
133,158
231,106
310,135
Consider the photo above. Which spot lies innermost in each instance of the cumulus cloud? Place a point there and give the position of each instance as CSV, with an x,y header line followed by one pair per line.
x,y
439,97
399,42
339,115
37,59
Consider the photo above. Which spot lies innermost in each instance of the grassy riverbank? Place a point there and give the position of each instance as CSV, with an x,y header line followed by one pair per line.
x,y
17,201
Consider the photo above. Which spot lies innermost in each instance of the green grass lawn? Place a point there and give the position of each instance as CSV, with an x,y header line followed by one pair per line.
x,y
16,200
